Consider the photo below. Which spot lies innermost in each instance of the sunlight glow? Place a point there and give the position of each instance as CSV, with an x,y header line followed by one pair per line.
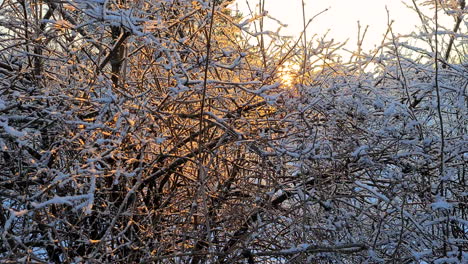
x,y
288,74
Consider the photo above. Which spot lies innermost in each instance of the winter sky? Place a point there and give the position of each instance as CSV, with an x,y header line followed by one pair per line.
x,y
341,18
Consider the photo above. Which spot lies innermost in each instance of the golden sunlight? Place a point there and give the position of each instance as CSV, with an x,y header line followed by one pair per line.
x,y
288,73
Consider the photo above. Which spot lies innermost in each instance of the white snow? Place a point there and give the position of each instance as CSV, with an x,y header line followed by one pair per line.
x,y
441,203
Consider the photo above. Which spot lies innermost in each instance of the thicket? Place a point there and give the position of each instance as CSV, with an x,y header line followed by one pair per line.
x,y
164,132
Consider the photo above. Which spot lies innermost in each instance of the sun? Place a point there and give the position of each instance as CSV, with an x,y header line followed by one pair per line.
x,y
288,73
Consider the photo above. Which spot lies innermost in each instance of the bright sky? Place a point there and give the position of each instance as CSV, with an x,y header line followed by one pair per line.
x,y
341,18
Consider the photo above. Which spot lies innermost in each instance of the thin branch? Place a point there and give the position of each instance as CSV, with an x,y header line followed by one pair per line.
x,y
312,249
